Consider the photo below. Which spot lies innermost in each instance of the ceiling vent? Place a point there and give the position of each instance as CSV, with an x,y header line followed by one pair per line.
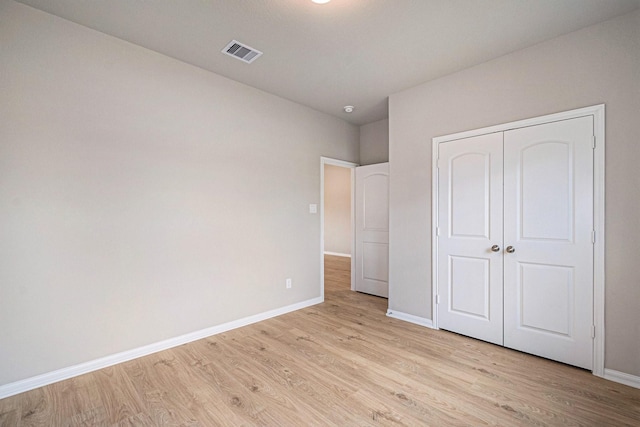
x,y
241,51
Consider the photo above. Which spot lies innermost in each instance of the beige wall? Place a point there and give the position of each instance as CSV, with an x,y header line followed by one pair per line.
x,y
374,142
337,209
142,198
600,64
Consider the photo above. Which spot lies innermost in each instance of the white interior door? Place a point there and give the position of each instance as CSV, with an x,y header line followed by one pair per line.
x,y
548,286
470,237
372,229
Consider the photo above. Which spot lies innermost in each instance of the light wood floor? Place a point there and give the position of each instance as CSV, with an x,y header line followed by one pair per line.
x,y
341,363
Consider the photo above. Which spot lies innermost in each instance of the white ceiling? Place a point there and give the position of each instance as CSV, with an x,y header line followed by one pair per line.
x,y
346,52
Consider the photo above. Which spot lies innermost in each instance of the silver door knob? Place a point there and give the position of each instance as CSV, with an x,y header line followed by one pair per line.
x,y
510,249
495,248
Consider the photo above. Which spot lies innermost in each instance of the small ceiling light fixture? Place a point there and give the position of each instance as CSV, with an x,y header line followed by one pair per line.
x,y
348,108
321,1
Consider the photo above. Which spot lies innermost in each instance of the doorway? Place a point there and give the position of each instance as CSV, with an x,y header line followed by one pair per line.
x,y
337,217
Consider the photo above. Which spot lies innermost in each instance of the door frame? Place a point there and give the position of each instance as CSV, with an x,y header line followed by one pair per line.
x,y
352,166
598,113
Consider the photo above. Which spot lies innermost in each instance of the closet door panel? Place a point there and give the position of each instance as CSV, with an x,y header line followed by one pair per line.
x,y
548,223
470,223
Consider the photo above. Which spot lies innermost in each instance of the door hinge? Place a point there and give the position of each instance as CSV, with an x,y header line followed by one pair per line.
x,y
438,163
593,142
437,231
437,299
593,331
593,236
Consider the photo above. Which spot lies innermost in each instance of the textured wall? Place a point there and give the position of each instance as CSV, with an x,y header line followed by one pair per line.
x,y
142,198
374,142
337,209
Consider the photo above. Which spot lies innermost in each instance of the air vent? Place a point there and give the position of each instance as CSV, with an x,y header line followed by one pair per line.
x,y
241,51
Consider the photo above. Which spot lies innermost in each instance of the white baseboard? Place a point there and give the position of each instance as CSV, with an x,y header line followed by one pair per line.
x,y
622,378
337,254
21,386
411,318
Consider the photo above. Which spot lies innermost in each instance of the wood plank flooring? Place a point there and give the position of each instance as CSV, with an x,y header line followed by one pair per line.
x,y
340,363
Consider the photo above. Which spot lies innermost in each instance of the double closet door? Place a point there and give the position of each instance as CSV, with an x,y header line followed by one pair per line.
x,y
515,239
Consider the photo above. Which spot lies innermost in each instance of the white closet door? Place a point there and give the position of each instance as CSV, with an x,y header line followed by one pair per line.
x,y
470,225
372,229
548,213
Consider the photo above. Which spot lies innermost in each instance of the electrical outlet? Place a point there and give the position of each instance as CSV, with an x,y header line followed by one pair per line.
x,y
288,283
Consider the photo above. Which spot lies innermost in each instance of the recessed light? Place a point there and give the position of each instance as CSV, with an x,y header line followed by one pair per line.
x,y
348,108
321,1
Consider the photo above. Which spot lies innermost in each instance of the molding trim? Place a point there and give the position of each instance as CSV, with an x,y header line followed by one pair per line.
x,y
337,254
622,378
564,115
27,384
411,318
599,279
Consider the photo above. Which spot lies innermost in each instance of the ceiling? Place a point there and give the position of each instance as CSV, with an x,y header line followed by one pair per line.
x,y
346,52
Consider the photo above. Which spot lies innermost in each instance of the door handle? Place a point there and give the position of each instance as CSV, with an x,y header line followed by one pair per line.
x,y
510,249
495,248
